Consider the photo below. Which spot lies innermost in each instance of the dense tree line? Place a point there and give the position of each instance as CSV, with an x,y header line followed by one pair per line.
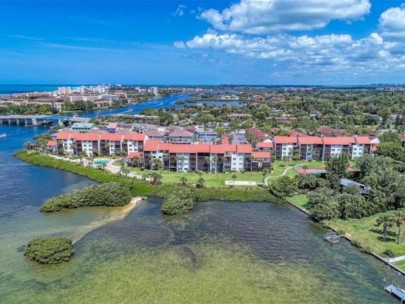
x,y
109,194
386,191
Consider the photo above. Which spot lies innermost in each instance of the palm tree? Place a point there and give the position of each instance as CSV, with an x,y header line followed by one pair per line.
x,y
200,183
398,220
214,160
158,164
183,181
234,177
28,145
81,156
156,178
386,221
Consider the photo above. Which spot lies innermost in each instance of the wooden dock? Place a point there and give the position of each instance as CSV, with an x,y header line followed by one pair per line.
x,y
396,291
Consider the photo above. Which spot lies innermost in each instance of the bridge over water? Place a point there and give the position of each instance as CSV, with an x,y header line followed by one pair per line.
x,y
31,120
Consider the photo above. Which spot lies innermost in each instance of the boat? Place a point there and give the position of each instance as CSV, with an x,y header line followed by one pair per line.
x,y
3,135
396,291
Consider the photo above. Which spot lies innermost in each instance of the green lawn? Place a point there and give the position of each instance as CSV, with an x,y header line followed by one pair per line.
x,y
299,200
369,236
218,179
400,264
364,232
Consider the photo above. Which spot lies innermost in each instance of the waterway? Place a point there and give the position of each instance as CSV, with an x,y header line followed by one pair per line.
x,y
220,253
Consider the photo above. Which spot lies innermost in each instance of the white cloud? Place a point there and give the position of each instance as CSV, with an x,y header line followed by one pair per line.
x,y
392,23
180,10
271,16
242,31
333,51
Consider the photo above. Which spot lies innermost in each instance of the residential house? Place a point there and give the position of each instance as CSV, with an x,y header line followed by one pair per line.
x,y
180,137
52,146
82,126
155,134
265,146
205,135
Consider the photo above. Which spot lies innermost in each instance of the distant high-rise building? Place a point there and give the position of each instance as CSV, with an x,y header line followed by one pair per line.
x,y
64,90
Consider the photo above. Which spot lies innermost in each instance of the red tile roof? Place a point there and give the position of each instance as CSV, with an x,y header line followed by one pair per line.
x,y
340,140
297,133
285,140
90,136
135,136
182,133
63,135
363,140
184,148
261,154
52,143
132,155
155,145
265,144
244,148
112,136
222,148
310,140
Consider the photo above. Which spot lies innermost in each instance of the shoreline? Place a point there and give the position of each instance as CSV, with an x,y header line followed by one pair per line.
x,y
152,192
121,214
142,188
348,238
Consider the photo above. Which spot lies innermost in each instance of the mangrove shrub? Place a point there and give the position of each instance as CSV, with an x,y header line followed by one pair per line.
x,y
179,201
109,194
49,250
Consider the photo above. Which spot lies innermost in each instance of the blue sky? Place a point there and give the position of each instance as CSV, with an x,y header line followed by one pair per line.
x,y
202,42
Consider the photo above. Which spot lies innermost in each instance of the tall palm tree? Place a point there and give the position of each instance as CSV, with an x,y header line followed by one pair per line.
x,y
386,221
234,177
398,220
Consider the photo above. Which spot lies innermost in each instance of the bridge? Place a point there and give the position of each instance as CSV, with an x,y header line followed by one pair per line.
x,y
37,120
29,120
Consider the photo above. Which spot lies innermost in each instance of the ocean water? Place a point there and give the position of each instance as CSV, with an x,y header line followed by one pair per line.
x,y
219,253
24,88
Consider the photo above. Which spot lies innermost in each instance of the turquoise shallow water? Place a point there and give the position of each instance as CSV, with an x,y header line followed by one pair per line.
x,y
221,253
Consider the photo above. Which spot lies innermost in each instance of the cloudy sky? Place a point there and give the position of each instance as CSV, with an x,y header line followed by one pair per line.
x,y
337,42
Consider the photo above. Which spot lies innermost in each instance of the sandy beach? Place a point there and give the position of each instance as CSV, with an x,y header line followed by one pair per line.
x,y
119,215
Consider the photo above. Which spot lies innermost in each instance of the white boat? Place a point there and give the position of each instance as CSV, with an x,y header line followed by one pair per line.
x,y
3,135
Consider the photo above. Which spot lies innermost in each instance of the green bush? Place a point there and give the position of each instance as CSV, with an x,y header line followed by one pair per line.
x,y
109,194
389,253
179,201
49,250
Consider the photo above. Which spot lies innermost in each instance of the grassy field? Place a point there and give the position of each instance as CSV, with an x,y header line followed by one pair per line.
x,y
218,179
368,235
364,232
299,200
